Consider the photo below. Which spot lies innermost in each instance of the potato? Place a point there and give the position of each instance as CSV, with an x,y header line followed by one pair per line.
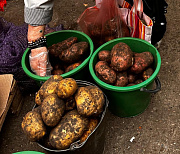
x,y
91,126
132,78
121,57
66,88
70,128
98,95
52,110
104,72
33,126
72,66
147,73
47,88
141,62
74,53
121,79
56,49
89,101
104,55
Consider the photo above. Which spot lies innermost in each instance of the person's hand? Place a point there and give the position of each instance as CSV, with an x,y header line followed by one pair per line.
x,y
39,61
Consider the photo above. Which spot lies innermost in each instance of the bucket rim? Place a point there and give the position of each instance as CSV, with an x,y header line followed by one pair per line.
x,y
129,88
72,72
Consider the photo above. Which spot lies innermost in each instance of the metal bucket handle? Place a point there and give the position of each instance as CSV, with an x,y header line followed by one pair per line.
x,y
158,87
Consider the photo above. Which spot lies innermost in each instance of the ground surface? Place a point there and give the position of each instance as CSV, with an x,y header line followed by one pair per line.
x,y
156,131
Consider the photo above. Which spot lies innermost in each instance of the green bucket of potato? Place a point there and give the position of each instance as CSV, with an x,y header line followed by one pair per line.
x,y
131,99
81,72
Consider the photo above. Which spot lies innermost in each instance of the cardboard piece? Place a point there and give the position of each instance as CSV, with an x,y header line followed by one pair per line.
x,y
5,88
10,97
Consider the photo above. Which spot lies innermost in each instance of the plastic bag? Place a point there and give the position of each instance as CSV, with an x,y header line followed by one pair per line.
x,y
104,22
39,65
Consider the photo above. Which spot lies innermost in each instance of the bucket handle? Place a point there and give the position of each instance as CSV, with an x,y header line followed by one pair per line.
x,y
158,87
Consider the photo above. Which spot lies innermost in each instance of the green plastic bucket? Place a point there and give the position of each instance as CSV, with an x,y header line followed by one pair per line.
x,y
133,100
79,73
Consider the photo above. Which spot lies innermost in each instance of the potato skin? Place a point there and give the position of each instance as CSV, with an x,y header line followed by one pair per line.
x,y
52,110
66,88
33,126
104,72
74,53
89,101
70,128
91,126
141,62
147,73
105,55
121,57
122,79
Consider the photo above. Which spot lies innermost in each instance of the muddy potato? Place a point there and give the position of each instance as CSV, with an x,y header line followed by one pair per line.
x,y
131,77
105,73
72,66
142,61
85,102
66,88
70,128
121,79
105,55
98,95
52,110
33,126
89,101
74,53
91,126
48,87
121,57
147,73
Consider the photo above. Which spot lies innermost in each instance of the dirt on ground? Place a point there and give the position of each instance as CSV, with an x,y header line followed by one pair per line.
x,y
155,131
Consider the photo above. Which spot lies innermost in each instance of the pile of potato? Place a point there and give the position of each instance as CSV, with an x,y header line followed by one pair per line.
x,y
122,67
104,31
65,113
67,55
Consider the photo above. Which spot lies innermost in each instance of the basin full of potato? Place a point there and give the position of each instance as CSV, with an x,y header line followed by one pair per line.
x,y
64,113
122,67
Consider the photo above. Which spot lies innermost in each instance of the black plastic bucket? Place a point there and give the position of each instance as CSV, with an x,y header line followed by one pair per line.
x,y
94,144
